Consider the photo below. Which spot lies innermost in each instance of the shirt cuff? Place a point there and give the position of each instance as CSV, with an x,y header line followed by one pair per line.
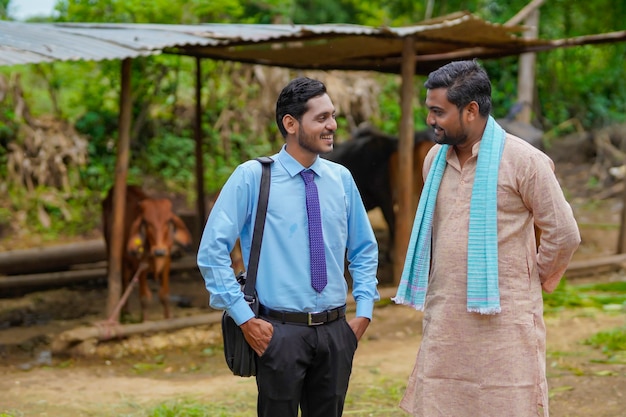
x,y
365,308
241,312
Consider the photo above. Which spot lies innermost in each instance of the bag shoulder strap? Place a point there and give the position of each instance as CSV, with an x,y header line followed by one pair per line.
x,y
259,225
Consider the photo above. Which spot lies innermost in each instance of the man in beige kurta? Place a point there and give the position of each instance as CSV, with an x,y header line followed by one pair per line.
x,y
478,365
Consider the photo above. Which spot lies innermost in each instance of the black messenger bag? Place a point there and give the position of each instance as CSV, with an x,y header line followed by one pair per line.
x,y
240,357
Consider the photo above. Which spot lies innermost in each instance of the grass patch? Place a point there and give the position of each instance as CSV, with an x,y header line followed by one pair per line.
x,y
184,407
612,343
557,354
609,341
606,296
609,297
379,399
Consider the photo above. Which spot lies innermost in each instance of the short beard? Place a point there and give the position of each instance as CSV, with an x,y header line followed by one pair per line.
x,y
453,141
305,142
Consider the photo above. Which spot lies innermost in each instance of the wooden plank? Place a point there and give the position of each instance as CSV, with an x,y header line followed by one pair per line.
x,y
60,278
595,266
52,258
103,331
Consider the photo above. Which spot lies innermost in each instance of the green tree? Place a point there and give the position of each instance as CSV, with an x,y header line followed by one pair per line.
x,y
4,9
585,83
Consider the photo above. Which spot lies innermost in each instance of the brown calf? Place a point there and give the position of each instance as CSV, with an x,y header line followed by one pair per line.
x,y
150,230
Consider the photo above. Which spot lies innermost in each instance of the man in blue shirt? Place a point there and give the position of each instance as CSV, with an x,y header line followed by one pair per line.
x,y
299,364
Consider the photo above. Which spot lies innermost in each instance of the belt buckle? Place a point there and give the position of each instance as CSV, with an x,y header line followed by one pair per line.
x,y
310,321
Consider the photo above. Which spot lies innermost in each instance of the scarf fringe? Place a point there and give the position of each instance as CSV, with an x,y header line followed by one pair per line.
x,y
403,301
487,311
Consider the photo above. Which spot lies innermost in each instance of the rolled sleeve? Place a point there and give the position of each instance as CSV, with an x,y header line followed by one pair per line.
x,y
362,255
220,234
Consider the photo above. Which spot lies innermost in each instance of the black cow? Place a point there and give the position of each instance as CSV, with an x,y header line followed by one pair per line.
x,y
371,156
367,155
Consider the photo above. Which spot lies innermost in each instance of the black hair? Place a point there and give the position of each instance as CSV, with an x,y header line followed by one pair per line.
x,y
294,97
466,81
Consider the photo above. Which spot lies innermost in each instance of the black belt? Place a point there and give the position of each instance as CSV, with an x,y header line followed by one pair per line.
x,y
310,319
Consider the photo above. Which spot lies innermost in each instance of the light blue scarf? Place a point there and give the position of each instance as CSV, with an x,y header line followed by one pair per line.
x,y
483,295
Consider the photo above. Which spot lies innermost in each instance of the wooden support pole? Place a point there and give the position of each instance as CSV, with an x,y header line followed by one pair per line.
x,y
526,75
523,14
404,217
621,240
200,204
114,275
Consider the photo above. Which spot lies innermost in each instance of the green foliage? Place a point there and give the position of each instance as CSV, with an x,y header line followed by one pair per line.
x,y
4,7
611,342
586,84
390,112
172,158
6,217
101,130
8,131
321,11
116,11
503,74
592,296
49,214
69,89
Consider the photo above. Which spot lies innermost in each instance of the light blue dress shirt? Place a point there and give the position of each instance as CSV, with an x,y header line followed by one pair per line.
x,y
283,277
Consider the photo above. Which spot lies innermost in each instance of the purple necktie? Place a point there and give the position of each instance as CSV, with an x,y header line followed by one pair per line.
x,y
316,236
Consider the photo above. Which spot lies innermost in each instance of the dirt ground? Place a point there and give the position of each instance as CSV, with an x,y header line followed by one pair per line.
x,y
118,378
122,377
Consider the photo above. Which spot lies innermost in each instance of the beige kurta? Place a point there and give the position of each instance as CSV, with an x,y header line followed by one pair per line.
x,y
473,365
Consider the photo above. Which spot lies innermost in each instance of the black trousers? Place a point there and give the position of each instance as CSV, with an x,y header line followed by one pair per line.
x,y
307,367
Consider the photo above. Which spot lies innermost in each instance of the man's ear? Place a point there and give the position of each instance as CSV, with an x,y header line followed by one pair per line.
x,y
472,111
290,123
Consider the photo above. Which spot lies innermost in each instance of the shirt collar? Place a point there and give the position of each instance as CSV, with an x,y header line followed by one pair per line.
x,y
294,167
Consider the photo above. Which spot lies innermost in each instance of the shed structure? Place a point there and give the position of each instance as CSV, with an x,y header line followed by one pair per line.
x,y
407,51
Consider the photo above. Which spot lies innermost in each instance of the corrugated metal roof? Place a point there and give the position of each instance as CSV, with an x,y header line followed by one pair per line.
x,y
327,46
28,43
